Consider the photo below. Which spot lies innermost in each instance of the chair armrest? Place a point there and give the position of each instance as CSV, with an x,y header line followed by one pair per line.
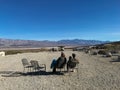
x,y
43,65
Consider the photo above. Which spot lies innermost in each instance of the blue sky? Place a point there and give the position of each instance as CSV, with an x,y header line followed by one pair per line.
x,y
60,19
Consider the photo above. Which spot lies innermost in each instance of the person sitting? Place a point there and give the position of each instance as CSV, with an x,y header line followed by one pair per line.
x,y
60,62
74,58
71,64
54,61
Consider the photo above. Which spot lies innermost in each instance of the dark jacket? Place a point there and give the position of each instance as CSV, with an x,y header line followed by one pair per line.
x,y
72,62
61,61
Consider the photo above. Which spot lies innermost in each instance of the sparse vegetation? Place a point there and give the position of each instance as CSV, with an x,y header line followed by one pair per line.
x,y
111,47
10,52
102,52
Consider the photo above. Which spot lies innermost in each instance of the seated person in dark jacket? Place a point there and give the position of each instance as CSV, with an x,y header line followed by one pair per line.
x,y
60,63
72,62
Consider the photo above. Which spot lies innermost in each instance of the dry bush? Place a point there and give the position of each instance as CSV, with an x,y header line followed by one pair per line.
x,y
10,52
94,53
102,52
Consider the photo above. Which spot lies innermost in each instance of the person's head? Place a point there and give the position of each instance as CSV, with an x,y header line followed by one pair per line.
x,y
73,55
62,54
70,57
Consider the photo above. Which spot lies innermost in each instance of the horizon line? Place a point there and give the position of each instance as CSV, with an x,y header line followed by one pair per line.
x,y
57,40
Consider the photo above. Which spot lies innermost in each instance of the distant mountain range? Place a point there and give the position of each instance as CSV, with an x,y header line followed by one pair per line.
x,y
10,43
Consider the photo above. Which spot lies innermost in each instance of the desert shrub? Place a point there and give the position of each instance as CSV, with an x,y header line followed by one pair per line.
x,y
9,52
113,48
118,58
74,49
114,51
102,52
44,49
94,53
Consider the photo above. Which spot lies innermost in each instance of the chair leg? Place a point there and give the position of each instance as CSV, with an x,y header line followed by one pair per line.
x,y
30,69
23,70
69,71
77,73
39,71
64,69
27,69
45,68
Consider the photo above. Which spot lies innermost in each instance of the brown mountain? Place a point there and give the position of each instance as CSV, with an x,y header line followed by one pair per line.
x,y
10,43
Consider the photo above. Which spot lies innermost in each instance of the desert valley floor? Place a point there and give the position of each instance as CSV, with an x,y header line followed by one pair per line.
x,y
95,73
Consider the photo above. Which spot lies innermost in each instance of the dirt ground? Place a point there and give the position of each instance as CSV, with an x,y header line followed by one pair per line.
x,y
95,73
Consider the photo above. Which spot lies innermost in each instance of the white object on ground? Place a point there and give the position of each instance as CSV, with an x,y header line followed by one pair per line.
x,y
2,53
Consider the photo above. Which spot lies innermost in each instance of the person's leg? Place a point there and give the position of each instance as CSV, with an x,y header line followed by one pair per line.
x,y
67,68
53,63
51,66
54,69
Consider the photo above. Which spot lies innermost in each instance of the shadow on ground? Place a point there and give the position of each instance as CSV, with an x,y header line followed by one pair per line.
x,y
115,60
18,74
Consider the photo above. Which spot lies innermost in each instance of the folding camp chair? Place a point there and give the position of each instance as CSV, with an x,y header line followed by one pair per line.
x,y
73,66
37,66
26,64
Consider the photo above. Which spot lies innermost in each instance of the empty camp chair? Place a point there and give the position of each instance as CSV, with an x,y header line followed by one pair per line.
x,y
26,64
37,66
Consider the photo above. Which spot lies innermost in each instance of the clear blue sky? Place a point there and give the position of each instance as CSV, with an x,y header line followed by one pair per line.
x,y
60,19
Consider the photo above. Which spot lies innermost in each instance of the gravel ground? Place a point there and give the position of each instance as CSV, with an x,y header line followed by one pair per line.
x,y
95,73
